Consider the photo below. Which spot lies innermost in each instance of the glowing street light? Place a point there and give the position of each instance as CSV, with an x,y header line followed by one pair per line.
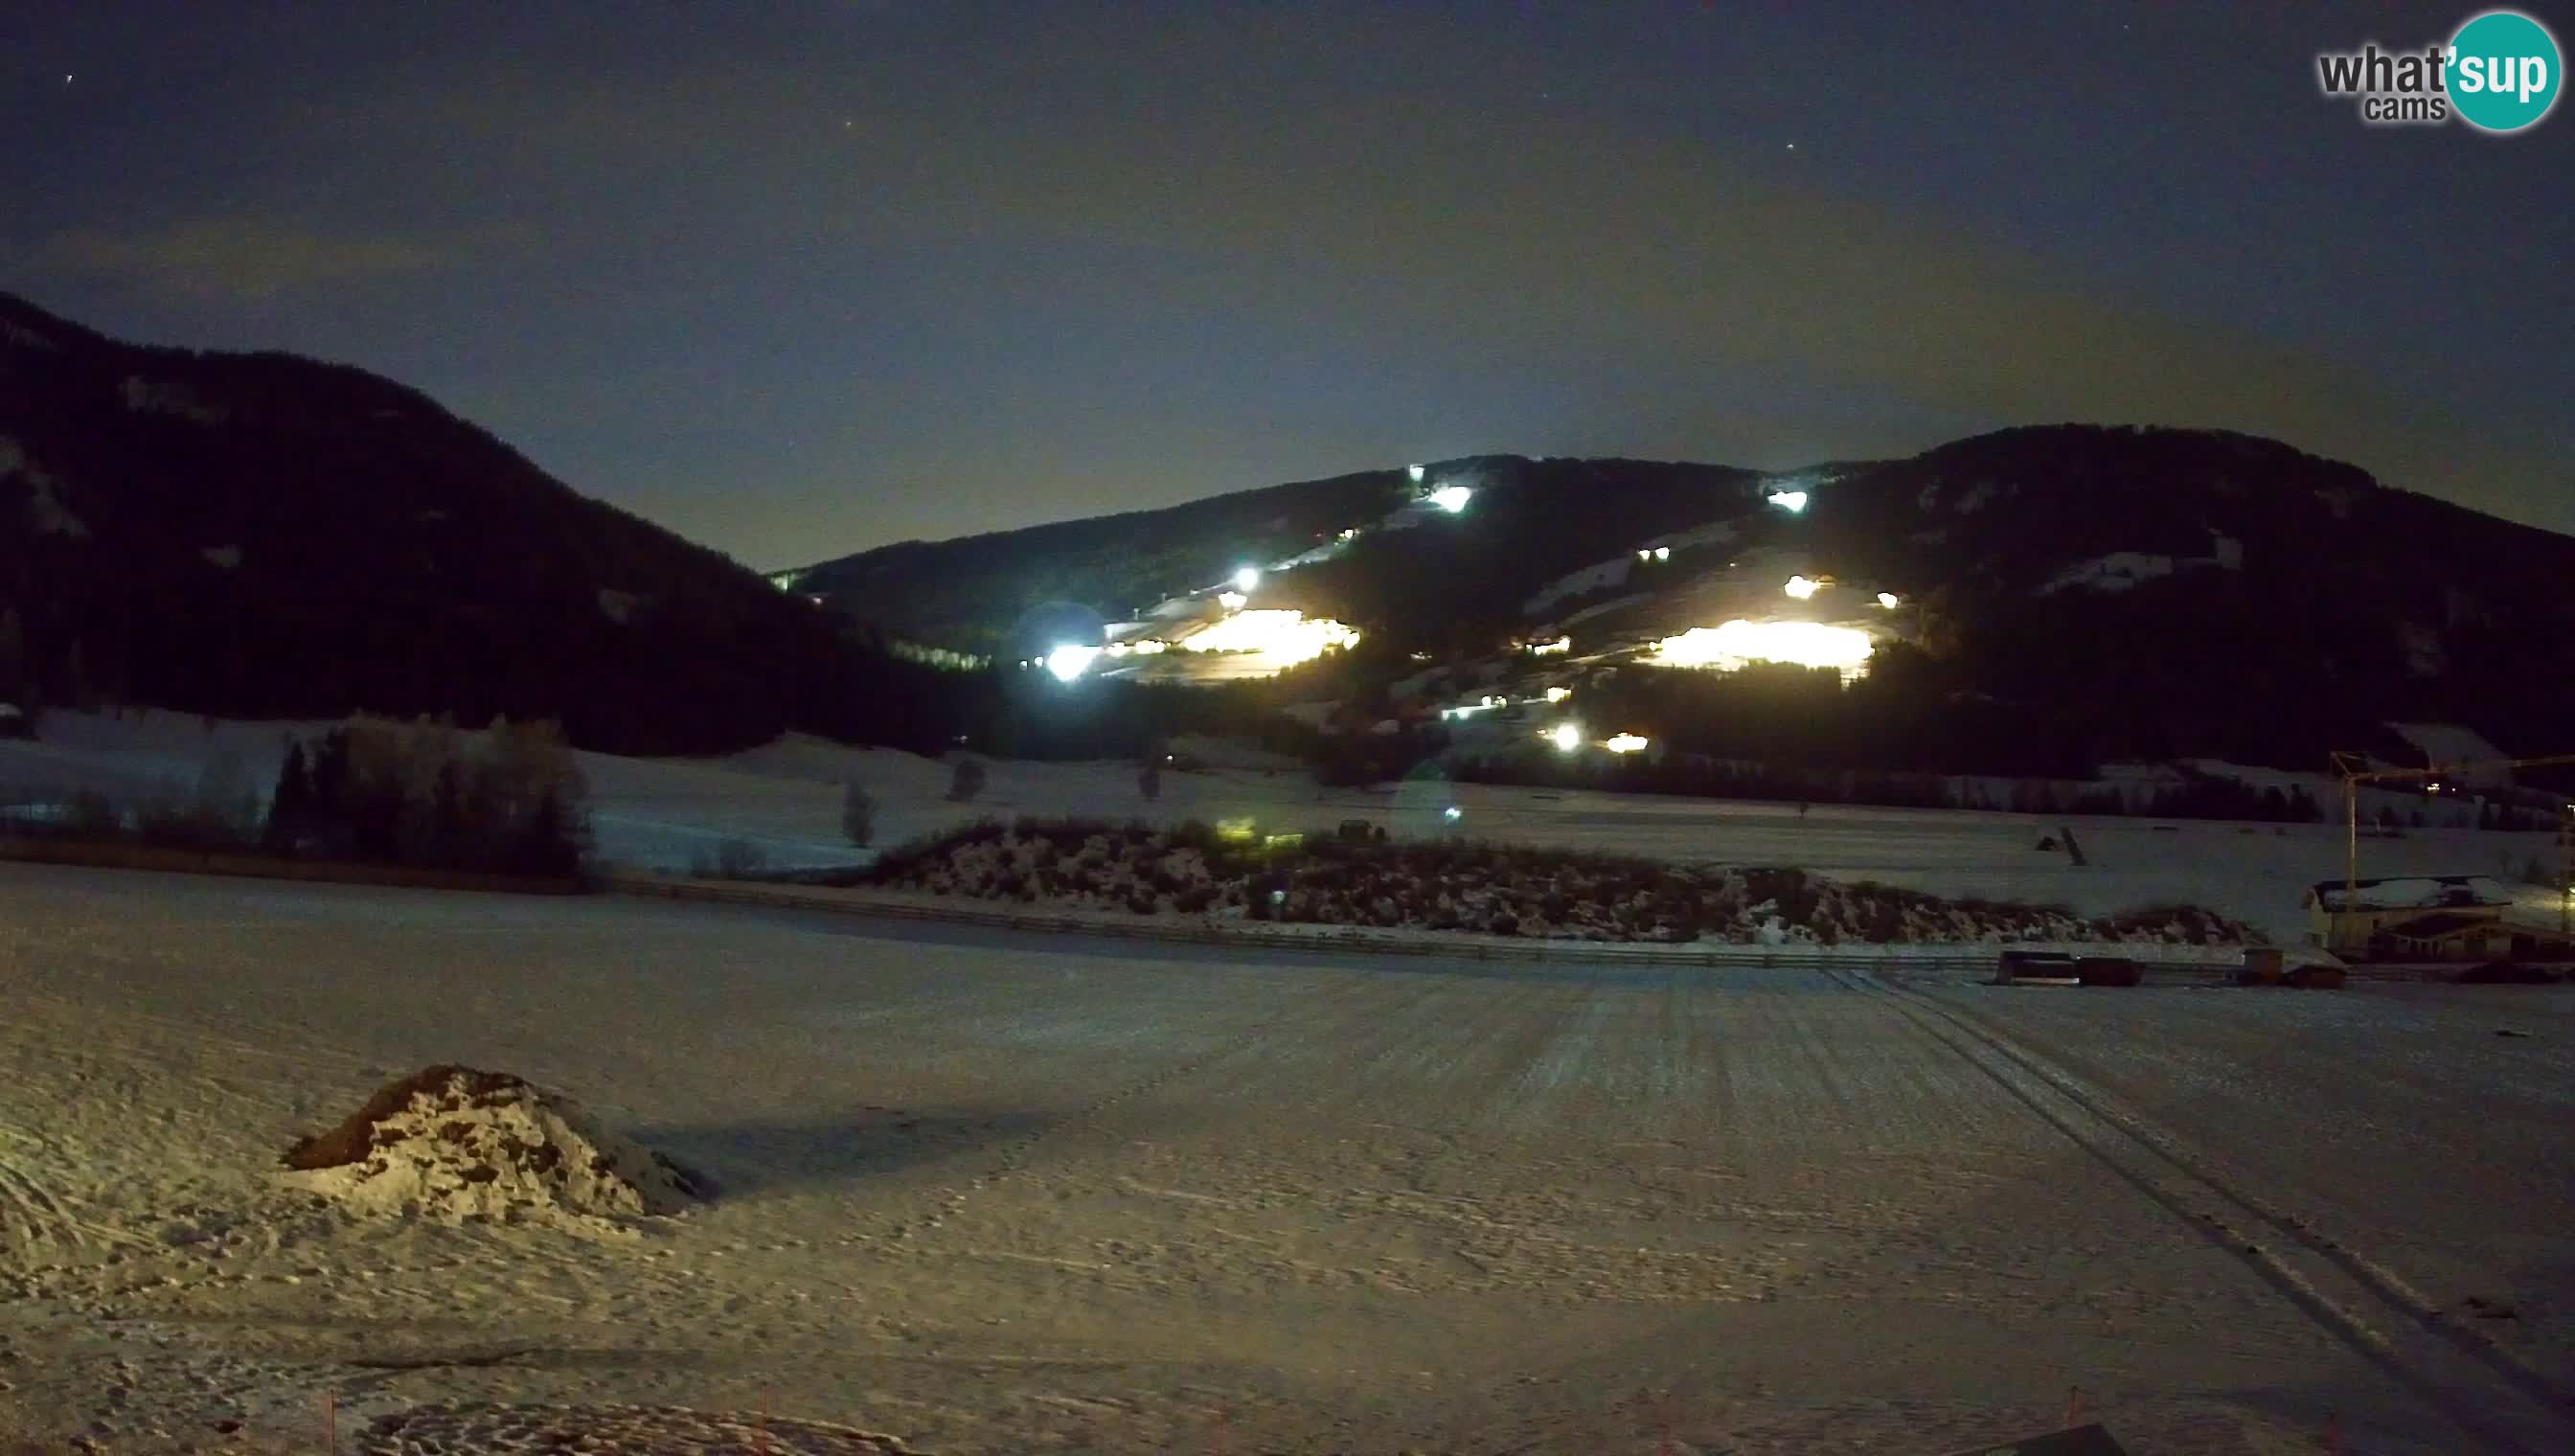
x,y
1231,601
1452,499
1413,470
1245,578
1662,552
1070,660
1624,743
1791,502
1567,736
1800,588
1888,601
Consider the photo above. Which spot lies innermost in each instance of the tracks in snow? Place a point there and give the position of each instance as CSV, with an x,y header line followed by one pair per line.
x,y
1014,1157
2358,1300
31,1218
34,1218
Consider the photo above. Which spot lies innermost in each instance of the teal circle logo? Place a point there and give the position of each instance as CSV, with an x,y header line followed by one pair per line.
x,y
2503,72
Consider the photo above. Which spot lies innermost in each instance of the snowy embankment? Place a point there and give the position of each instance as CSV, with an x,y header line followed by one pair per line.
x,y
1462,886
784,801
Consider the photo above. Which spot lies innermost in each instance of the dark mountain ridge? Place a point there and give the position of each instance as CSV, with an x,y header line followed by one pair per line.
x,y
259,535
2145,591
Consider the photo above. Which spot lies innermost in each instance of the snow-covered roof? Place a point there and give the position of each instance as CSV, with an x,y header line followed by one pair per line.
x,y
2451,743
2413,892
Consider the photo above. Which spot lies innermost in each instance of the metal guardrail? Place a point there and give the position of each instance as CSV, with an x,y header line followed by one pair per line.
x,y
1247,934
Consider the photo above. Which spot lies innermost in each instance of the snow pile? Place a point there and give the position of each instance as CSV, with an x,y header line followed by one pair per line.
x,y
453,1143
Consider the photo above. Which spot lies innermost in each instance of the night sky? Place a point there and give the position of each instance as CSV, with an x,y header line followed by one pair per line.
x,y
799,278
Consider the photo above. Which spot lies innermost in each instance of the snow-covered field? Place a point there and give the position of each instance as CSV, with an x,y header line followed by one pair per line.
x,y
784,798
1003,1194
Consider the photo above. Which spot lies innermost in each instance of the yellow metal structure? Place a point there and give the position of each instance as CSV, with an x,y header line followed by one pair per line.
x,y
2356,771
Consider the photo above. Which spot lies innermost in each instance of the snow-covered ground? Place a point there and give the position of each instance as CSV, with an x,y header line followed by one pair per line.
x,y
784,798
1004,1194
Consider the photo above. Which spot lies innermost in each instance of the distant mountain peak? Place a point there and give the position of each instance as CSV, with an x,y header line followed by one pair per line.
x,y
265,536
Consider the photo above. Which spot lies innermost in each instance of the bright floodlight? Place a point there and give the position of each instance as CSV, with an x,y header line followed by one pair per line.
x,y
1281,637
1452,499
1808,644
1624,743
1800,588
1886,600
1245,578
1791,502
1567,736
1662,552
1070,660
1413,470
1453,814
